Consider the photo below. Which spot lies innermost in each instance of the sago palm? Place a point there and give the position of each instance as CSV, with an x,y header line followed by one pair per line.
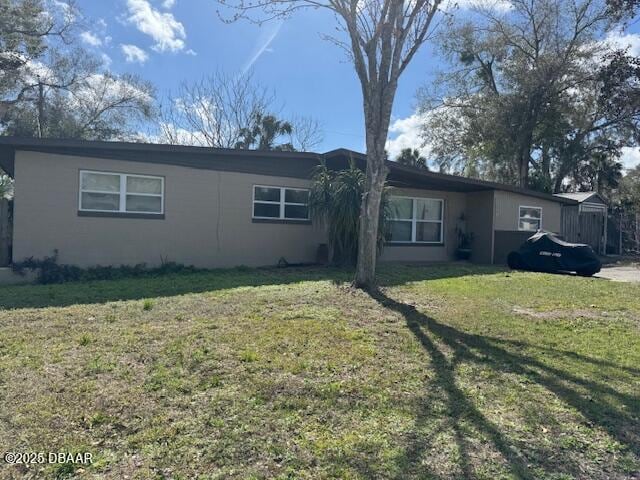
x,y
335,201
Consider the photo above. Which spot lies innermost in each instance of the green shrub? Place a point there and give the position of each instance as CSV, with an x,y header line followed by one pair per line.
x,y
335,200
50,271
249,356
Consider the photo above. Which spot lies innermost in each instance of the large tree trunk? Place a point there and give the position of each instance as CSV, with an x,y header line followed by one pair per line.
x,y
545,166
369,220
523,170
377,118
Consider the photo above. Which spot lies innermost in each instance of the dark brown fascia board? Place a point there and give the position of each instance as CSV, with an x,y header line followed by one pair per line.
x,y
21,143
471,183
254,161
275,163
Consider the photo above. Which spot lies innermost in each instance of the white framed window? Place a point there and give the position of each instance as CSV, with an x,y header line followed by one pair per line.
x,y
529,218
416,220
120,193
280,203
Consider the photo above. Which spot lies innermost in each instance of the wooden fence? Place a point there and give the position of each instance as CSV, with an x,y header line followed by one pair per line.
x,y
583,227
624,231
5,232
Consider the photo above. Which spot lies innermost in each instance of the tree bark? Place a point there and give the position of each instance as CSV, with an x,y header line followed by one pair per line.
x,y
378,103
523,169
369,221
545,167
40,109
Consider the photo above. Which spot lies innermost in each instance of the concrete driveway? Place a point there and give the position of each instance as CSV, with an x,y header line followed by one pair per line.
x,y
620,273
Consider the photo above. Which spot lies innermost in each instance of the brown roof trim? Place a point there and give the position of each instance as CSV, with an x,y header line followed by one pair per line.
x,y
259,162
39,143
274,163
414,175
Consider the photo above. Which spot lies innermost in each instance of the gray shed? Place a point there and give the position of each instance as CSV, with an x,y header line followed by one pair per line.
x,y
585,222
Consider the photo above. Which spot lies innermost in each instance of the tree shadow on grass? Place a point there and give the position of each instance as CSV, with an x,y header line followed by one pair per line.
x,y
78,293
448,346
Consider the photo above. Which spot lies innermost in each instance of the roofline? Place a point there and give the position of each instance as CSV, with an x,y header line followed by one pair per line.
x,y
454,178
285,164
23,143
8,146
592,193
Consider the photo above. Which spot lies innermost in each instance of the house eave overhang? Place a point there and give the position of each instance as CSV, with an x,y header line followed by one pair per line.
x,y
259,162
411,177
286,164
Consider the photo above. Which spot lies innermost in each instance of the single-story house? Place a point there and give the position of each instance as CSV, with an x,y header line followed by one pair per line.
x,y
113,203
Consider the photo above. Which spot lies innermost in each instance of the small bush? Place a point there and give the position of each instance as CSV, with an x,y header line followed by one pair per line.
x,y
50,271
249,356
147,305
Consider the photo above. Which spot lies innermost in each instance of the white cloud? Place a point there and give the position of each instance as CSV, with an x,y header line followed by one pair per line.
x,y
67,10
168,4
132,53
620,40
90,39
630,157
169,133
406,133
167,33
191,52
106,59
263,44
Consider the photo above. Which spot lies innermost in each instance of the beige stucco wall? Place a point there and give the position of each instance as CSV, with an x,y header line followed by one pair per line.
x,y
454,205
207,218
479,222
506,211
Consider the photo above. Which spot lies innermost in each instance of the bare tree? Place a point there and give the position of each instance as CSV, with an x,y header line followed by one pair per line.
x,y
213,111
72,96
306,134
381,37
222,110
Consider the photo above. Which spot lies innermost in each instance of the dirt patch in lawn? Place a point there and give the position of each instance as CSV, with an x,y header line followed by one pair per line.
x,y
554,314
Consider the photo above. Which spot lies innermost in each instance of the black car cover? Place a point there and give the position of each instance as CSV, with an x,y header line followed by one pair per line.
x,y
545,252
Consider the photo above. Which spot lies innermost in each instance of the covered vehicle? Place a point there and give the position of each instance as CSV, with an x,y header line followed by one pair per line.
x,y
545,252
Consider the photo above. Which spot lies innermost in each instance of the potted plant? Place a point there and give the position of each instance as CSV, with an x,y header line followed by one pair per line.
x,y
463,252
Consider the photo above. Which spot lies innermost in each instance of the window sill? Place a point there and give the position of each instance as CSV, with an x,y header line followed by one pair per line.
x,y
412,244
147,216
281,220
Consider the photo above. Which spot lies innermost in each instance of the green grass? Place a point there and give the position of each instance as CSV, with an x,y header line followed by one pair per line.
x,y
446,372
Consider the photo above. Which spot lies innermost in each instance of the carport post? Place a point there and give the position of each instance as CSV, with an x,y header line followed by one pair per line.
x,y
606,219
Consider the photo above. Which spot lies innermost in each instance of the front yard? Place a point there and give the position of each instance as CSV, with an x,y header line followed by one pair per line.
x,y
448,372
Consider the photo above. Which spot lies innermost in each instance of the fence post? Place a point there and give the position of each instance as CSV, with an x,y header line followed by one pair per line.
x,y
620,232
637,232
5,232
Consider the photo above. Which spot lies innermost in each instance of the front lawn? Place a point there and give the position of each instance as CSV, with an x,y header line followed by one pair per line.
x,y
447,372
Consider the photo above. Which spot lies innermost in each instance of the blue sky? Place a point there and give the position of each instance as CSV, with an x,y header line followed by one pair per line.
x,y
168,41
